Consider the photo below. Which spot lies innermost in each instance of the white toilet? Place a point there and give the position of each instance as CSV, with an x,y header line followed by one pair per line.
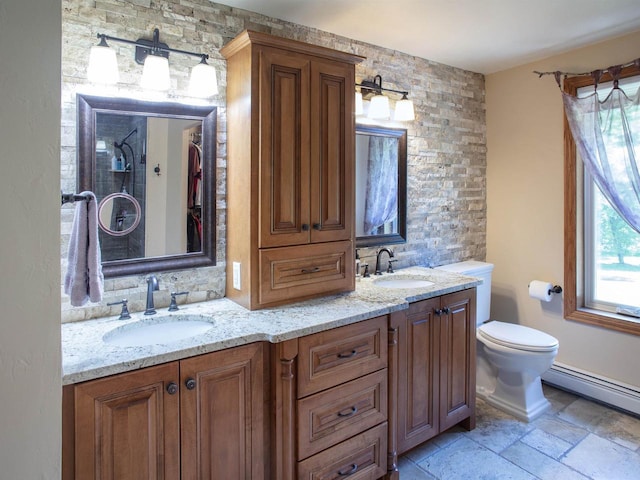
x,y
510,357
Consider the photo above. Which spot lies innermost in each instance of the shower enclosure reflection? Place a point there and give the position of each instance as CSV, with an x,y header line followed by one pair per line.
x,y
154,165
381,179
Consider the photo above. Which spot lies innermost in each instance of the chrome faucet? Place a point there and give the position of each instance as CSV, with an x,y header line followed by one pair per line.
x,y
152,285
380,252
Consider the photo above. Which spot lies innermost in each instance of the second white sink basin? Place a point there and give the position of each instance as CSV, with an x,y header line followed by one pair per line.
x,y
403,283
157,331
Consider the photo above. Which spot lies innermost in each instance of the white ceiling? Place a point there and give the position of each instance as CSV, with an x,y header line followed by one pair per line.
x,y
483,36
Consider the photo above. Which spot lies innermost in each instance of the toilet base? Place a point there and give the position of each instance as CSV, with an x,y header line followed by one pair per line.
x,y
525,414
526,403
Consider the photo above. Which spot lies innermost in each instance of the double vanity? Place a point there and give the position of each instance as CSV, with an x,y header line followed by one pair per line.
x,y
339,385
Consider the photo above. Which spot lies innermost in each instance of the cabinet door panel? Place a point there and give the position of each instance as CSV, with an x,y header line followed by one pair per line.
x,y
457,378
284,171
223,433
332,151
127,426
418,367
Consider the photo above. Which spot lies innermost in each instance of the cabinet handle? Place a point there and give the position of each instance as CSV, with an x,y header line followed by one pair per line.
x,y
311,270
316,226
351,471
446,310
352,411
438,311
190,383
305,227
352,353
172,388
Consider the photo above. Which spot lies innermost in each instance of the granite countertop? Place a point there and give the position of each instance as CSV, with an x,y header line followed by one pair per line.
x,y
86,356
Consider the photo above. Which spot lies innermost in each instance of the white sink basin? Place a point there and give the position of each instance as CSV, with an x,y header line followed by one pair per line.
x,y
157,331
403,283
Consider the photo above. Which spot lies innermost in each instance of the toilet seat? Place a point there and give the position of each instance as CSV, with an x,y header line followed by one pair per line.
x,y
517,337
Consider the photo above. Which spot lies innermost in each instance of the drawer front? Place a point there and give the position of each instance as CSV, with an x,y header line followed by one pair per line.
x,y
305,271
334,415
335,356
360,458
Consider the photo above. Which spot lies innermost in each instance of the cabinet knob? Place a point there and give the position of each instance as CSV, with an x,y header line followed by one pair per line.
x,y
438,311
446,310
305,227
316,226
172,388
345,473
190,383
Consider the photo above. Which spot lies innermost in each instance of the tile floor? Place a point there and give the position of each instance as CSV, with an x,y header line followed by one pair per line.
x,y
576,439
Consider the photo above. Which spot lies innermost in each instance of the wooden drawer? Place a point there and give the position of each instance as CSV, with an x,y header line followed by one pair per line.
x,y
335,356
305,271
334,415
360,458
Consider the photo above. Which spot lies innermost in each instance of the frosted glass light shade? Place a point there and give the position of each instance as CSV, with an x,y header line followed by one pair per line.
x,y
404,111
379,107
103,65
155,73
359,104
203,81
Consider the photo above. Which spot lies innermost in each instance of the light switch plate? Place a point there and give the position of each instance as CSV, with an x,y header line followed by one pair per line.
x,y
237,282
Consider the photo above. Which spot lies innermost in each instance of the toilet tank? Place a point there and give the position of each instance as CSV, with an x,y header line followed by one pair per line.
x,y
481,270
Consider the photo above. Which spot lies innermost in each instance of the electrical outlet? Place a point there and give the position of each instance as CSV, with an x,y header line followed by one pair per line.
x,y
237,282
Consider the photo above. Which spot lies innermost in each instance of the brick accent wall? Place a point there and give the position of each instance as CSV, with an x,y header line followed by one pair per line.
x,y
446,198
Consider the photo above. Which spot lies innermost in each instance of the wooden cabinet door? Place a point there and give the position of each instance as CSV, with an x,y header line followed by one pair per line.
x,y
457,358
418,366
332,151
284,149
222,415
127,426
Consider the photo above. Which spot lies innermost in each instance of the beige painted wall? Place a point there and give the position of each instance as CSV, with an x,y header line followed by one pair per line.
x,y
30,392
525,206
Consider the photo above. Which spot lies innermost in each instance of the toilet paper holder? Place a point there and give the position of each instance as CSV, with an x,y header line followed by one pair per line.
x,y
555,289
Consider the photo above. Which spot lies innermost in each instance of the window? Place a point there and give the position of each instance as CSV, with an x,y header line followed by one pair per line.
x,y
602,253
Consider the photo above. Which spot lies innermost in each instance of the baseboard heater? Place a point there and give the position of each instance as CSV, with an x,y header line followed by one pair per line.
x,y
603,389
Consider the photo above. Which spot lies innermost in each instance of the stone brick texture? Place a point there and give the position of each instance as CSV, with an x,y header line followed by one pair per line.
x,y
446,197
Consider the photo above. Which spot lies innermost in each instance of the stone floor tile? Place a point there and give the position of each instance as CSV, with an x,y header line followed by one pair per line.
x,y
584,413
468,460
561,429
450,436
620,428
546,443
422,451
539,464
410,471
602,459
559,399
497,430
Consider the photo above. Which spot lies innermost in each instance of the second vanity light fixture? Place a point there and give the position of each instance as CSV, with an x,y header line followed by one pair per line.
x,y
154,55
379,103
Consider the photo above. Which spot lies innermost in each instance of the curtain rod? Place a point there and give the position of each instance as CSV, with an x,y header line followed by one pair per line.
x,y
614,70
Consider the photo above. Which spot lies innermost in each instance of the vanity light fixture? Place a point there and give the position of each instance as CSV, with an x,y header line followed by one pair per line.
x,y
379,103
154,55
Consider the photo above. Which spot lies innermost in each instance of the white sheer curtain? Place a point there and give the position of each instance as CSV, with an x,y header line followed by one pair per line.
x,y
607,136
381,201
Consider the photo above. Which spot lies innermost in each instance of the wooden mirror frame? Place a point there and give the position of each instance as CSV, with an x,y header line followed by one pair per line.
x,y
87,107
401,235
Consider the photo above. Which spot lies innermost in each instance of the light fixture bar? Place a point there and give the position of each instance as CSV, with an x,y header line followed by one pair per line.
x,y
367,87
155,46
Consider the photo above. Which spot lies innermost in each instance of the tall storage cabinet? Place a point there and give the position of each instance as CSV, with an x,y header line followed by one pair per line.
x,y
290,170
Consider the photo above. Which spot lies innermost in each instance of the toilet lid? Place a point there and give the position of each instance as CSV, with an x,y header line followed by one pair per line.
x,y
518,337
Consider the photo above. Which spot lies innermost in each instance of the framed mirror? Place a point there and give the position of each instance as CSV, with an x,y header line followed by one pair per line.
x,y
152,168
381,185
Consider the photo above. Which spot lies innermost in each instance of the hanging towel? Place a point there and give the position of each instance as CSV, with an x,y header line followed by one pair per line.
x,y
84,280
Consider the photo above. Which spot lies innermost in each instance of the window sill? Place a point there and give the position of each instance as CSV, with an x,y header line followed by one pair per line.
x,y
612,321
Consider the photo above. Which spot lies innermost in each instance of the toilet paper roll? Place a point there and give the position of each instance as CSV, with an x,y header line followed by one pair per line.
x,y
540,290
